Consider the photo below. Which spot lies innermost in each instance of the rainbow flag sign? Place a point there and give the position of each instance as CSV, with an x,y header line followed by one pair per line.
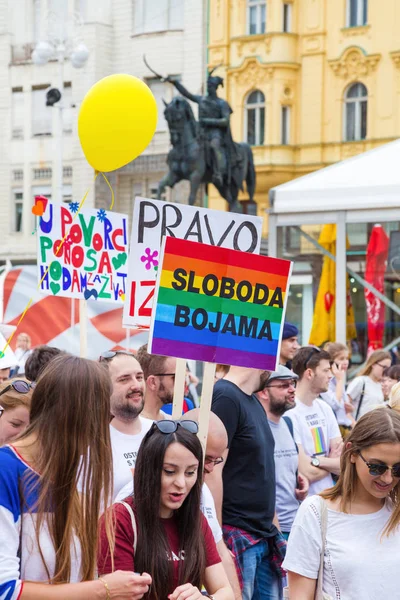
x,y
219,305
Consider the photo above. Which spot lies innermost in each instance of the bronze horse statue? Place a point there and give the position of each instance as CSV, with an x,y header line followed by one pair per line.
x,y
190,158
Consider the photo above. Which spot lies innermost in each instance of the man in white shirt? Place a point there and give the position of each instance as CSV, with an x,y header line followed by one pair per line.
x,y
159,375
316,430
127,428
277,397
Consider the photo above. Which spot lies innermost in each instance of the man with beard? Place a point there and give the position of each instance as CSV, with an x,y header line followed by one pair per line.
x,y
291,487
127,428
243,486
159,375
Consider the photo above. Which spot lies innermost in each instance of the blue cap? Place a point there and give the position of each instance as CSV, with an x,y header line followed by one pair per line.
x,y
289,330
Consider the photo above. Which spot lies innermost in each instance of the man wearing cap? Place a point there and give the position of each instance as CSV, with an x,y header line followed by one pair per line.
x,y
289,344
277,397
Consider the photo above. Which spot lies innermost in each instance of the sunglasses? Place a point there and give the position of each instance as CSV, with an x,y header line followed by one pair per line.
x,y
164,375
285,385
168,426
375,470
1,410
20,386
310,355
112,354
215,461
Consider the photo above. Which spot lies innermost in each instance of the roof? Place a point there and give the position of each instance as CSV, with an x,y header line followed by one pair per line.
x,y
370,180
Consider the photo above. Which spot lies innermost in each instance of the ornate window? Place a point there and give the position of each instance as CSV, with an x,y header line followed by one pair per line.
x,y
255,118
256,16
357,13
355,112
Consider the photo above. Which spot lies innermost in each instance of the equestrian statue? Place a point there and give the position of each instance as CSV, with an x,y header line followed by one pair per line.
x,y
204,151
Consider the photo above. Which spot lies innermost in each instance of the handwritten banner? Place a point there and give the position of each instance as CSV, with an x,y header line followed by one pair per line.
x,y
91,264
153,219
219,305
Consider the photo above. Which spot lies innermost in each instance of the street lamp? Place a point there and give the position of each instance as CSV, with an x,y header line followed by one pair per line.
x,y
58,46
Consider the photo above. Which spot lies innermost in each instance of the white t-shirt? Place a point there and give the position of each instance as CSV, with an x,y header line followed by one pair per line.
x,y
207,507
124,451
373,394
358,562
314,428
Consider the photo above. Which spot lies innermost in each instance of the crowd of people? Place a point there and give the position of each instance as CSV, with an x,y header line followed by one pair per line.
x,y
104,496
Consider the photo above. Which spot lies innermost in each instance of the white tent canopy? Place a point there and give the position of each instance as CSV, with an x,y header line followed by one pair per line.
x,y
361,189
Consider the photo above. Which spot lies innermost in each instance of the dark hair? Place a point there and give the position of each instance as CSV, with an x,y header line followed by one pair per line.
x,y
379,426
38,359
308,357
152,545
393,372
150,363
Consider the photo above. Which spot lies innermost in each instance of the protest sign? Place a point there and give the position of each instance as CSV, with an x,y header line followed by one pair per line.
x,y
91,263
219,305
153,219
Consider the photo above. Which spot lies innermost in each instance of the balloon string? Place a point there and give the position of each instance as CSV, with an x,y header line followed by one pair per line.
x,y
46,271
111,190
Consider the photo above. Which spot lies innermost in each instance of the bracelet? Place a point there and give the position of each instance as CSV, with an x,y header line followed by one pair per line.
x,y
104,582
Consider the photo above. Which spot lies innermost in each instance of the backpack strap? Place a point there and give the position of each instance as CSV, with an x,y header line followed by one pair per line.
x,y
133,520
289,423
360,401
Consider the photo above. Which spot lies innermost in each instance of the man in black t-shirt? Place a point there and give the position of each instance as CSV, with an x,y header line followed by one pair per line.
x,y
244,490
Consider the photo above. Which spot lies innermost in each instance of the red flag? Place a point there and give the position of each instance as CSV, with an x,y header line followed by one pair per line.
x,y
377,255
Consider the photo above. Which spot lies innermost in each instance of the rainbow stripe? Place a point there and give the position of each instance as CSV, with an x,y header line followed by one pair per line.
x,y
319,440
195,322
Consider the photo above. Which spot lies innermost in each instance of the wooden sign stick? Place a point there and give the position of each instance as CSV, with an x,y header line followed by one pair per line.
x,y
205,403
179,388
83,328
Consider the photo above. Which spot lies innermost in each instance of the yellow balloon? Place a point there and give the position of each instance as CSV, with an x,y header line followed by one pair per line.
x,y
116,121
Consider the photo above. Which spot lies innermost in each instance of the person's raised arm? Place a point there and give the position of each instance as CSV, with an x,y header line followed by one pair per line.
x,y
182,90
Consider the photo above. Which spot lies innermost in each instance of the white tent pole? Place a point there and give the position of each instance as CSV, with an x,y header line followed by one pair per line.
x,y
352,273
272,235
341,279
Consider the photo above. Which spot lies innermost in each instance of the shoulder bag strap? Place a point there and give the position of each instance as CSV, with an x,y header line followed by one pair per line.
x,y
324,526
134,527
360,402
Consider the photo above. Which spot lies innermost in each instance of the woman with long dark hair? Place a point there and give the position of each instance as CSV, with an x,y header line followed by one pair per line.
x,y
354,526
48,530
161,531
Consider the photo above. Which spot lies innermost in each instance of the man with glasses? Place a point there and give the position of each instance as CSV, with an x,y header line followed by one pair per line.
x,y
127,427
316,431
291,487
159,375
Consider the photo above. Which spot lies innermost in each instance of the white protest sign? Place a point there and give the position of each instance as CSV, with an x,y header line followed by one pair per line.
x,y
153,219
91,263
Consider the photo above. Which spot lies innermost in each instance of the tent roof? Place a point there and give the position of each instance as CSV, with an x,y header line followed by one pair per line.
x,y
370,180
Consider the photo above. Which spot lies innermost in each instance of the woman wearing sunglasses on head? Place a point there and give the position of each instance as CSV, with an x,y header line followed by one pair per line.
x,y
161,531
48,532
15,402
362,512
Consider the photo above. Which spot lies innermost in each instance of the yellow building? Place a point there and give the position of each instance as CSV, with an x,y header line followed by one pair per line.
x,y
311,82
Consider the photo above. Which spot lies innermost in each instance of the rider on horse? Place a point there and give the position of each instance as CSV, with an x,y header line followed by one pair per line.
x,y
214,120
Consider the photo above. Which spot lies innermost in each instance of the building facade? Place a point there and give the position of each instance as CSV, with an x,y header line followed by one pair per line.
x,y
117,33
310,82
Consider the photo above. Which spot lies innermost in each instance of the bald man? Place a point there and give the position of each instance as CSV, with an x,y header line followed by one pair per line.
x,y
217,443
